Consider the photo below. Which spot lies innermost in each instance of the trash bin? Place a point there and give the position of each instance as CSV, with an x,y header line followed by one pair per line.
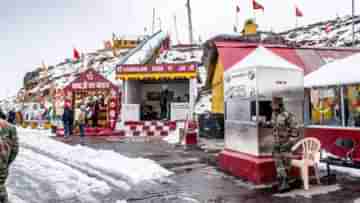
x,y
211,125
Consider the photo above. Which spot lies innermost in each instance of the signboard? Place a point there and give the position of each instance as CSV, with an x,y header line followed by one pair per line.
x,y
91,85
130,112
179,111
240,83
161,68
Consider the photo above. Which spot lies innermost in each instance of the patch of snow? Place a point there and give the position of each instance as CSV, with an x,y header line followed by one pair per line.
x,y
145,52
66,182
131,170
180,56
314,190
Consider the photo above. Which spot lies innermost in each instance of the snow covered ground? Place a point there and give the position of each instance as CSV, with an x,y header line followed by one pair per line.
x,y
50,171
37,177
128,169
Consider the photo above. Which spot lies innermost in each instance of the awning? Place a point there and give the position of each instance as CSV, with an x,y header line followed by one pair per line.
x,y
341,72
156,76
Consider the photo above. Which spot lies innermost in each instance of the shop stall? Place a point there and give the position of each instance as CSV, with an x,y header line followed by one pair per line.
x,y
333,108
249,87
99,97
157,96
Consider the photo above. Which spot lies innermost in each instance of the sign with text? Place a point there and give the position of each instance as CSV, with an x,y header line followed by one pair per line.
x,y
161,68
179,111
90,85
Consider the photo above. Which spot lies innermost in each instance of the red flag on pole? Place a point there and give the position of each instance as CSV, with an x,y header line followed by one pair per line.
x,y
76,54
298,12
237,9
327,28
257,6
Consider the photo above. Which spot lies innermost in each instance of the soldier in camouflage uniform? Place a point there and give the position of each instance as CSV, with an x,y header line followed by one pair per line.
x,y
285,135
9,148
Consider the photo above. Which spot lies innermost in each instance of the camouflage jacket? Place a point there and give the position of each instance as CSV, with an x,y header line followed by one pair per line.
x,y
284,127
9,146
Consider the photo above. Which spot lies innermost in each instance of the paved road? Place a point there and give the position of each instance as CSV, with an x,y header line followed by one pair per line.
x,y
196,179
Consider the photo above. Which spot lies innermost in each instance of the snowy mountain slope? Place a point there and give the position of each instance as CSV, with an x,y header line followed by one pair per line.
x,y
40,81
331,33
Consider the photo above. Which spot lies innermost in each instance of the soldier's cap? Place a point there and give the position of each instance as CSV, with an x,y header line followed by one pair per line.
x,y
277,99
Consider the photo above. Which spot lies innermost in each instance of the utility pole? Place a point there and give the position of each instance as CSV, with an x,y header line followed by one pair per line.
x,y
353,23
159,19
153,22
190,22
176,30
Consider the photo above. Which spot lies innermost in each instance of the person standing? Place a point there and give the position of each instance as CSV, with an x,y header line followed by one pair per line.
x,y
95,115
9,148
68,119
164,102
12,117
2,114
285,136
80,115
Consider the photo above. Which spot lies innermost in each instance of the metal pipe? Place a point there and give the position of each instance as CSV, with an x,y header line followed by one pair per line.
x,y
190,22
342,106
353,23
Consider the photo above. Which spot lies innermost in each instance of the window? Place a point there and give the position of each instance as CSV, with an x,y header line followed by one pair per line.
x,y
326,106
265,110
352,105
238,109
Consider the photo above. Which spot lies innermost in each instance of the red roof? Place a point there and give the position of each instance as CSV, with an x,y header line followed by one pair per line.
x,y
307,58
90,79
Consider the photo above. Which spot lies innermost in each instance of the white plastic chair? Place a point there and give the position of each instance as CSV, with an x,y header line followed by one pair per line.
x,y
310,158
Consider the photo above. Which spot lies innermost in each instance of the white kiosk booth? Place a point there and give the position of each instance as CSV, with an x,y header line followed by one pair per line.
x,y
248,88
143,86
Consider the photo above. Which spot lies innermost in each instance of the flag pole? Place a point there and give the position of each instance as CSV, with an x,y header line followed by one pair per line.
x,y
153,22
353,23
236,19
254,14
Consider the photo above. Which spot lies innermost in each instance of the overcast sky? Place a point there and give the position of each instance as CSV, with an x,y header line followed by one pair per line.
x,y
35,30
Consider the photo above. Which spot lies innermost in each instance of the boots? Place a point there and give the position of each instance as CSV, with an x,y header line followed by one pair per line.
x,y
283,185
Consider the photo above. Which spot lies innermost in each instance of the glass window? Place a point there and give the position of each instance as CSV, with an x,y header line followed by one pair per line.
x,y
238,109
352,105
265,110
326,106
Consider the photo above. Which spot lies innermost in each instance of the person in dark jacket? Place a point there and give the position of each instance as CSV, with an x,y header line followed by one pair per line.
x,y
2,114
165,99
68,120
95,116
12,117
